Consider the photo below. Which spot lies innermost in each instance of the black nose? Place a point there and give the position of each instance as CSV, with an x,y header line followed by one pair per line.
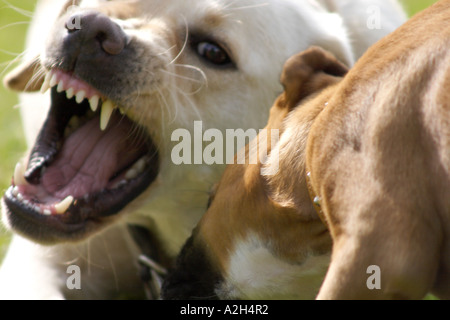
x,y
95,31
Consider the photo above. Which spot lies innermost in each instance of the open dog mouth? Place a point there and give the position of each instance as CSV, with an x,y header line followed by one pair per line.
x,y
89,161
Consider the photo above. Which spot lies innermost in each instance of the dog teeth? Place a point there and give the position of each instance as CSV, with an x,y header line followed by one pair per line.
x,y
93,102
61,208
139,166
80,92
43,209
106,112
131,174
79,97
46,84
70,93
53,80
18,175
136,169
60,87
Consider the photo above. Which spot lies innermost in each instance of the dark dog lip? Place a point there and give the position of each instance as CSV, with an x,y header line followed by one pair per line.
x,y
82,216
29,206
194,276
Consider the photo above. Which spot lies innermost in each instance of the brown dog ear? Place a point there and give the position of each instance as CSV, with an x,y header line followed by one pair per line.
x,y
309,72
28,77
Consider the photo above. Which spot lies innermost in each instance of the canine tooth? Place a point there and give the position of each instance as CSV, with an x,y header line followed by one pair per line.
x,y
18,175
62,207
60,87
53,81
107,110
69,93
93,102
46,84
80,96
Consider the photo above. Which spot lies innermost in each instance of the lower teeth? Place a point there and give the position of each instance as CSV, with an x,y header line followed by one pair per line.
x,y
58,208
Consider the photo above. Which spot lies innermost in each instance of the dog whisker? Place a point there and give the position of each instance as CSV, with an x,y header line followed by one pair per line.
x,y
21,11
202,73
185,40
230,6
14,24
111,263
189,79
166,51
182,77
37,74
10,53
163,99
248,7
18,57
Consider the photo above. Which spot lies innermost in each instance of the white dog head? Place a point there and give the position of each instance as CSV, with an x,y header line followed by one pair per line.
x,y
123,76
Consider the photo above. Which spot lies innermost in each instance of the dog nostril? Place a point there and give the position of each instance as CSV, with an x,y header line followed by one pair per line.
x,y
111,44
92,28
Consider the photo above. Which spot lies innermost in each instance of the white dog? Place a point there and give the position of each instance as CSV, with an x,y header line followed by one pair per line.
x,y
123,76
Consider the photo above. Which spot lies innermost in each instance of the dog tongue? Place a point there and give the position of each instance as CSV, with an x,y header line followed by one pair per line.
x,y
89,158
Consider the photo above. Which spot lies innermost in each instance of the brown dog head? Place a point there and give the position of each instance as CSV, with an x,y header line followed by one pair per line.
x,y
246,236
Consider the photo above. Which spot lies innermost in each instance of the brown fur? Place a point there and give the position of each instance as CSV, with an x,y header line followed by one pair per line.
x,y
376,147
379,161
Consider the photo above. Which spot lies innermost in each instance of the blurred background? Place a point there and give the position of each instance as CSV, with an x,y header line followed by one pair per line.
x,y
14,20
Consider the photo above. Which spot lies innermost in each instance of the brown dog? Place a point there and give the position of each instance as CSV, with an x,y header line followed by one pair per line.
x,y
376,148
379,157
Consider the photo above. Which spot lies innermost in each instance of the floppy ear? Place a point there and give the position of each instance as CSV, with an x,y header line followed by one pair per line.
x,y
28,77
308,72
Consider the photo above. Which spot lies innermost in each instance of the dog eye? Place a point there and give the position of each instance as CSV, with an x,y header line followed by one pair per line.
x,y
213,53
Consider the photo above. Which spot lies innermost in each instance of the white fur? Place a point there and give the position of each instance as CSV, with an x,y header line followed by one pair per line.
x,y
256,273
174,203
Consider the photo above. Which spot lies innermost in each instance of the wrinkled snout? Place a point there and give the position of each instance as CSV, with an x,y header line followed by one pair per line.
x,y
95,48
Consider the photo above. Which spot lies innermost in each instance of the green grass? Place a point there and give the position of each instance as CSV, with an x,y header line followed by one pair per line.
x,y
13,25
414,6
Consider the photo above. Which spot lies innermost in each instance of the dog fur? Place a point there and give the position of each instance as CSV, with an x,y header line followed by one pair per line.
x,y
191,90
369,152
380,167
